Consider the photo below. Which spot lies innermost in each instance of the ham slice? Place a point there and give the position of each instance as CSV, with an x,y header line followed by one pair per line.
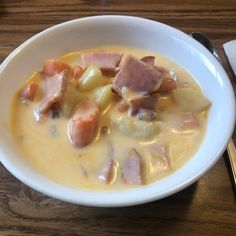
x,y
150,60
132,168
161,155
105,61
107,173
53,92
143,102
189,120
137,76
139,105
161,69
185,121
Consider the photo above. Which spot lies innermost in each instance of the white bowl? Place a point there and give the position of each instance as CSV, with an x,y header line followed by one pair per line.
x,y
131,31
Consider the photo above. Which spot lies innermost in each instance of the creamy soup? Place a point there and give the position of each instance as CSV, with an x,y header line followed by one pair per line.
x,y
109,118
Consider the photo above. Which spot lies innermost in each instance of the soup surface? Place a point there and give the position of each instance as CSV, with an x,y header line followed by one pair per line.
x,y
109,118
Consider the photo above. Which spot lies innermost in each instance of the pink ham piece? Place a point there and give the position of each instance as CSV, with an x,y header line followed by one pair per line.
x,y
161,69
185,121
161,155
83,125
105,61
143,102
53,92
132,168
137,76
189,120
108,172
150,60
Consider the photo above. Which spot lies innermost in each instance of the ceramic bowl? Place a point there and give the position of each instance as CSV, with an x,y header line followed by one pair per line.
x,y
95,31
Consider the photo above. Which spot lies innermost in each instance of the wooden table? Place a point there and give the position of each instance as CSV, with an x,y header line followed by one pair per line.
x,y
205,208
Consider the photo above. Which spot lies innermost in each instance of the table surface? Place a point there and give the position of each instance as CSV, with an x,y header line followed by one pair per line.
x,y
205,208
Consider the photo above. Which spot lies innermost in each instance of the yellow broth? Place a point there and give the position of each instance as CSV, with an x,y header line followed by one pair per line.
x,y
46,144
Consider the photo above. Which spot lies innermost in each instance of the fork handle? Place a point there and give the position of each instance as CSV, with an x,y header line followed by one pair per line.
x,y
232,158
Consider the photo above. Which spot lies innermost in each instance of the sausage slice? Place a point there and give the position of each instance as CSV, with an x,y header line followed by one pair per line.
x,y
83,125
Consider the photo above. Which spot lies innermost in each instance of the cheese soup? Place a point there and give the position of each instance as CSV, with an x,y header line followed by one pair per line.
x,y
109,118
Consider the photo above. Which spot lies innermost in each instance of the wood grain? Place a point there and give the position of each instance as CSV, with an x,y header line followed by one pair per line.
x,y
205,208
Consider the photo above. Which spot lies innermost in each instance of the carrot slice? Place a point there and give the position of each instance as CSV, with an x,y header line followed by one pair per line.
x,y
29,92
83,125
52,67
77,71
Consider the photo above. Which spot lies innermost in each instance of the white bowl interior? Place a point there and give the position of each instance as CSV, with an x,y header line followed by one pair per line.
x,y
130,31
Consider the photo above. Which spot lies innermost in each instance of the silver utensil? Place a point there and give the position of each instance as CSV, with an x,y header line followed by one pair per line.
x,y
202,38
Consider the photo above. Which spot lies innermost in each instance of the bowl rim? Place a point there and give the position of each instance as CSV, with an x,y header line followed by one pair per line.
x,y
122,201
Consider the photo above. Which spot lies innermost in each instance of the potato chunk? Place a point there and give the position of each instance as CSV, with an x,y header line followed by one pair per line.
x,y
70,100
103,96
134,128
91,78
189,99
